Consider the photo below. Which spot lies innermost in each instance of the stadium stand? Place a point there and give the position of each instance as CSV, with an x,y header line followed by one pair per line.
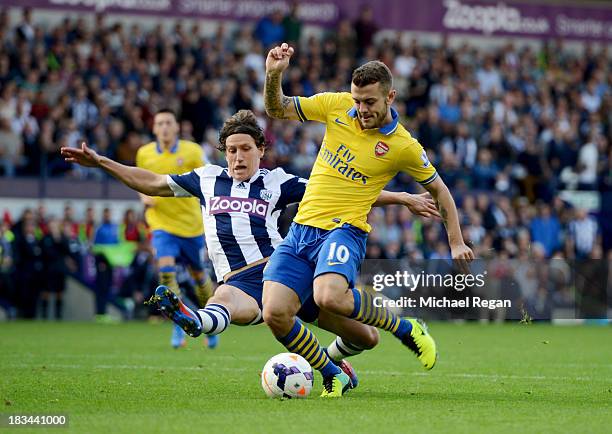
x,y
521,136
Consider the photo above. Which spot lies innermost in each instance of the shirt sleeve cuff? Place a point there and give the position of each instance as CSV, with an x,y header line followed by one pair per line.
x,y
429,180
176,189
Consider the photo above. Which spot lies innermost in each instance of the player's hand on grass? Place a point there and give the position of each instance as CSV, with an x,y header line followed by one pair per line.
x,y
278,58
85,156
462,255
422,205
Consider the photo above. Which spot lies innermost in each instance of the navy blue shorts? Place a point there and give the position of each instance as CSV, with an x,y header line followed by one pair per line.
x,y
308,252
250,282
190,250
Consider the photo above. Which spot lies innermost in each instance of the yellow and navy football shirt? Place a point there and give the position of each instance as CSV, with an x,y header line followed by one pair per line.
x,y
177,216
354,165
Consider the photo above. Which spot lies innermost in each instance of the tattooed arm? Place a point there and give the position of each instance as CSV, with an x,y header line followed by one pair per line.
x,y
448,211
278,105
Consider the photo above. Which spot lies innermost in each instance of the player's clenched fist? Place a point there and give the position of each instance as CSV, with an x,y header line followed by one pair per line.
x,y
278,58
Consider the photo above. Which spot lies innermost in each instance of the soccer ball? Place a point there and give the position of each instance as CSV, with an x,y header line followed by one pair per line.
x,y
287,375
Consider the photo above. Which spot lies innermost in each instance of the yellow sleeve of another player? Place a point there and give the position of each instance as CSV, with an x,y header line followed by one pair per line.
x,y
413,160
316,107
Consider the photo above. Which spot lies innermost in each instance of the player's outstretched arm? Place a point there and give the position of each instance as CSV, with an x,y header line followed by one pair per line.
x,y
138,179
419,204
278,105
450,217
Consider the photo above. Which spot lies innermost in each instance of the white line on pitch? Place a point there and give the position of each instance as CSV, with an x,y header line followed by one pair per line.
x,y
367,372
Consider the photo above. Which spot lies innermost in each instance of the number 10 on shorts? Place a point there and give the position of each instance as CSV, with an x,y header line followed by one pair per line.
x,y
338,254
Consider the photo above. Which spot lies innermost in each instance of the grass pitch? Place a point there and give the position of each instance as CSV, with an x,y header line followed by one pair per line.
x,y
126,379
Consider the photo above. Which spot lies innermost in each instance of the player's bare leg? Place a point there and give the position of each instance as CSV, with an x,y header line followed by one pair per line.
x,y
331,293
243,308
280,307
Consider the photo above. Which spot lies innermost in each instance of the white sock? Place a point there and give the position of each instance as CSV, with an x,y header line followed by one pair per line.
x,y
215,318
340,349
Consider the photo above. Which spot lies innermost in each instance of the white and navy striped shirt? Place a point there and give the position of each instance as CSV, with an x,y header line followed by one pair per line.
x,y
240,218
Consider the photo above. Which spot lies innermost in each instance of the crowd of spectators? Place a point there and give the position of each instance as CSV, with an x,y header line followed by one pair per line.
x,y
507,128
112,255
39,251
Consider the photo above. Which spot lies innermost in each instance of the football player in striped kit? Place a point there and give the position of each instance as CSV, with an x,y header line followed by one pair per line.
x,y
240,206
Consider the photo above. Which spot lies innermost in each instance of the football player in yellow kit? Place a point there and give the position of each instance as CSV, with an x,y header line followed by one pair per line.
x,y
176,223
363,148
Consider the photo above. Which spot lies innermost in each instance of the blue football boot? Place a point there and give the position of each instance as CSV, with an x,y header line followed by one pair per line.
x,y
171,306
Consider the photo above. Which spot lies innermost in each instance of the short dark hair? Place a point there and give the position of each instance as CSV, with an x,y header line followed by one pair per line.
x,y
243,122
166,110
373,72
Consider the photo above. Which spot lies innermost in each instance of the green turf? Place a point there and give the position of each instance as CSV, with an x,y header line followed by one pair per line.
x,y
126,379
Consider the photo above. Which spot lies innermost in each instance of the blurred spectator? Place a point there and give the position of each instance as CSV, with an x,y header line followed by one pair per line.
x,y
131,230
25,31
365,29
584,232
489,78
545,229
292,25
587,163
11,148
270,29
86,229
29,266
141,278
69,225
464,149
430,131
346,39
450,111
7,287
485,171
106,235
42,223
302,162
84,112
57,265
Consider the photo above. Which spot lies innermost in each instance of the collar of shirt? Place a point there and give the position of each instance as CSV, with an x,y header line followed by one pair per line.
x,y
172,149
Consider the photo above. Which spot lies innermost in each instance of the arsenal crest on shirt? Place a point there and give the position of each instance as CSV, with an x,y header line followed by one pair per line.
x,y
381,149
